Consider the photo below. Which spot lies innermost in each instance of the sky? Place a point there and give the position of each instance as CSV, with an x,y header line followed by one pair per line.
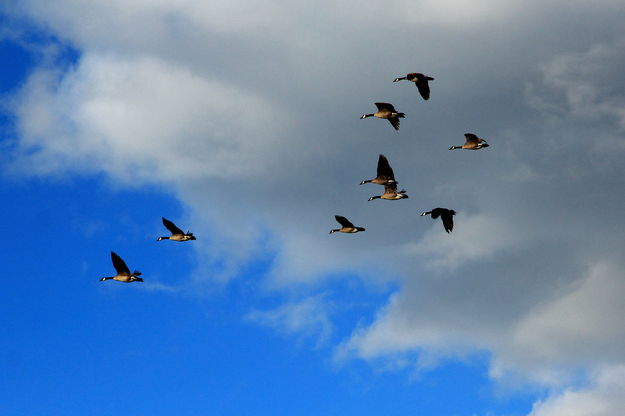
x,y
240,122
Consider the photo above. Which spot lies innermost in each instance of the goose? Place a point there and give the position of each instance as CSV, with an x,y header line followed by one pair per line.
x,y
385,173
473,143
123,272
390,192
346,226
387,111
447,216
176,233
421,82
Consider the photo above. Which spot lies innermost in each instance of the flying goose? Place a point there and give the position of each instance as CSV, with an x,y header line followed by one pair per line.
x,y
390,192
421,81
387,111
346,226
473,143
123,272
447,216
385,173
176,233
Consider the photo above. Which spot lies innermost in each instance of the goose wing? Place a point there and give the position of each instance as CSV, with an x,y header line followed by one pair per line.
x,y
472,138
384,168
423,87
119,264
343,221
394,122
171,227
390,188
448,219
385,106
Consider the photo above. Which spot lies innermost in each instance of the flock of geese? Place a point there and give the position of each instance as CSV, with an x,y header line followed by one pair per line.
x,y
385,175
123,272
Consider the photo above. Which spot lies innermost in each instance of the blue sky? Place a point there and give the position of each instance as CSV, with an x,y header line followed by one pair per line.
x,y
240,123
74,346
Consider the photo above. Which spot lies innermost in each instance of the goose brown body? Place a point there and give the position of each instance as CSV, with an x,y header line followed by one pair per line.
x,y
388,112
346,226
176,233
421,82
123,272
447,217
385,173
391,193
472,143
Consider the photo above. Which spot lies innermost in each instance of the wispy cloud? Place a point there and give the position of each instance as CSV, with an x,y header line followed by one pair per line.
x,y
583,84
310,316
159,287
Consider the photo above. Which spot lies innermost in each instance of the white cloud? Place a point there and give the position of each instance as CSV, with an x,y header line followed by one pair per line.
x,y
141,120
476,238
159,287
309,316
605,397
573,327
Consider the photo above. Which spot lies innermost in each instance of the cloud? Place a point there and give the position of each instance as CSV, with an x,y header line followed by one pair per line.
x,y
480,237
604,397
309,316
159,287
539,321
573,327
132,119
584,84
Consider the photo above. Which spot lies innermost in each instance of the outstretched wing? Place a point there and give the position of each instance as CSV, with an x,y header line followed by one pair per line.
x,y
472,138
390,188
343,221
448,220
172,227
119,264
385,106
384,168
394,122
423,87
